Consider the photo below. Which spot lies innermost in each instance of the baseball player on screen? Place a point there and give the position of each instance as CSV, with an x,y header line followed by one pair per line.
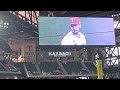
x,y
74,37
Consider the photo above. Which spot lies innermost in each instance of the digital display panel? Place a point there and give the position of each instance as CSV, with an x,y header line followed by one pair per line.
x,y
76,31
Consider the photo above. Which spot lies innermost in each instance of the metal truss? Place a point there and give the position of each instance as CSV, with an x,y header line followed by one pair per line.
x,y
111,61
32,16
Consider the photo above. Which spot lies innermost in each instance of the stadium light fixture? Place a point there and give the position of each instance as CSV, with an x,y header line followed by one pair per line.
x,y
7,23
4,24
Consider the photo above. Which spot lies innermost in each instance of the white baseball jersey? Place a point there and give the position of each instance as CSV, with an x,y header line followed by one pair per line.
x,y
71,39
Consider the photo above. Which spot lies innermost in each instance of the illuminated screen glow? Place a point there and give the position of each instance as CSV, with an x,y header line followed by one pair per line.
x,y
64,31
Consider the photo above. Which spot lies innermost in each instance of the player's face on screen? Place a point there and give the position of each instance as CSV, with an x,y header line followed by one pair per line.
x,y
75,28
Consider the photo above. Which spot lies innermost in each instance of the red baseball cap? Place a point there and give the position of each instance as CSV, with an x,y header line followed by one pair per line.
x,y
74,20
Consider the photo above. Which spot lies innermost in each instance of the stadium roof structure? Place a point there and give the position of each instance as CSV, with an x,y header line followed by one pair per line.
x,y
31,17
27,21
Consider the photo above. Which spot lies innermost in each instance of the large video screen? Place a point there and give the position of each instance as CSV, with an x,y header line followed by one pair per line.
x,y
76,31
